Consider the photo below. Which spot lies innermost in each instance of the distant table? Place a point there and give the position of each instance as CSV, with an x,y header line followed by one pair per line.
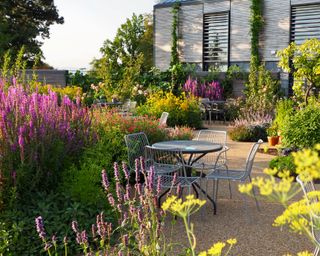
x,y
196,149
109,104
190,147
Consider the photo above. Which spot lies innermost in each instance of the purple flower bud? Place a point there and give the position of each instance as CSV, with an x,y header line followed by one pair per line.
x,y
111,200
54,239
74,226
116,171
137,170
140,216
93,230
119,192
125,171
127,195
125,240
84,238
65,240
158,185
105,181
40,227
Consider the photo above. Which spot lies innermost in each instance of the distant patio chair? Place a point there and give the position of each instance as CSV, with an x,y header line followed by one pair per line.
x,y
205,109
234,175
209,161
135,143
308,187
163,119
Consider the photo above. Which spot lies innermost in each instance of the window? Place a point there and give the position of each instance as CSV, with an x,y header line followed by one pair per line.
x,y
305,22
216,41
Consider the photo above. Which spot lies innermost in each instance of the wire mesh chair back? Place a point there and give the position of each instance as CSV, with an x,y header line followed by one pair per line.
x,y
132,105
250,158
308,187
126,106
135,143
165,161
163,119
214,137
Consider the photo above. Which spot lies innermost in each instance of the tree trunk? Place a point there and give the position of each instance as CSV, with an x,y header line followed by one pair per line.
x,y
308,93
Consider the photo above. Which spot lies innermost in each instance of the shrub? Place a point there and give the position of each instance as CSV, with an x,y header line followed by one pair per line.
x,y
303,128
211,90
282,163
72,92
285,108
37,135
182,111
251,126
82,180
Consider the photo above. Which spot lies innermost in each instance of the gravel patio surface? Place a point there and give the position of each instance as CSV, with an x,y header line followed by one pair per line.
x,y
235,219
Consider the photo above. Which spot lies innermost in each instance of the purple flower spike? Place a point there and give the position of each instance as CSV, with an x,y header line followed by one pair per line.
x,y
40,228
125,171
116,171
74,226
105,181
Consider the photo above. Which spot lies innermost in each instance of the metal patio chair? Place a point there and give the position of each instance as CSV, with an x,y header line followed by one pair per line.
x,y
163,119
170,167
208,162
205,108
234,175
135,143
308,187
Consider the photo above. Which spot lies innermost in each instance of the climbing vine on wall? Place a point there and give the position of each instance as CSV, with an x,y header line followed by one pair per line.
x,y
174,35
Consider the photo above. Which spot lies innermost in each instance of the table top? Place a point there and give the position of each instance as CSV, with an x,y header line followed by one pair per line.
x,y
189,146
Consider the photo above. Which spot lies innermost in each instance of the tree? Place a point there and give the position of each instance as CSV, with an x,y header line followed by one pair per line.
x,y
303,61
22,22
127,56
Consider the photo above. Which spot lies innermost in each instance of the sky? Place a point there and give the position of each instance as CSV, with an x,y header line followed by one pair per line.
x,y
87,24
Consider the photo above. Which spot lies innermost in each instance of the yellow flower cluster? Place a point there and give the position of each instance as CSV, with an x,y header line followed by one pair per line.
x,y
182,209
216,249
308,163
305,253
279,191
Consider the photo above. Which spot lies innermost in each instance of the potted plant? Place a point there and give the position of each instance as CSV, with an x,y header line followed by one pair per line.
x,y
273,138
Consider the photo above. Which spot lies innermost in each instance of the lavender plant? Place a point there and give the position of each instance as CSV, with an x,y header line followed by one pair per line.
x,y
37,132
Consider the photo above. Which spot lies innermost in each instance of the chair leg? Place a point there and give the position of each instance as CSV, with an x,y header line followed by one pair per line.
x,y
230,190
255,197
316,251
216,190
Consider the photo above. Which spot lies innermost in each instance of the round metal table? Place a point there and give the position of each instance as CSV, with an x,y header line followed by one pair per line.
x,y
196,149
192,147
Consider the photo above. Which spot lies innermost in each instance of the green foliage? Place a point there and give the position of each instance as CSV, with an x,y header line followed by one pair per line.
x,y
83,179
264,93
256,25
303,128
23,22
233,108
83,80
19,234
305,60
282,163
126,57
72,92
248,133
285,108
182,110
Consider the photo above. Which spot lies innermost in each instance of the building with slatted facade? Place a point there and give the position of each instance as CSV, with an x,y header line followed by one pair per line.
x,y
216,33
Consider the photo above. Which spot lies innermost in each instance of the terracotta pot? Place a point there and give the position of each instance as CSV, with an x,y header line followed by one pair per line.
x,y
273,140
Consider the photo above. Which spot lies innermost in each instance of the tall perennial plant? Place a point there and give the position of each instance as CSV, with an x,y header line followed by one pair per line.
x,y
211,90
37,133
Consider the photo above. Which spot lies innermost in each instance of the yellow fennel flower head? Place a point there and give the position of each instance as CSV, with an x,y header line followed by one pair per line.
x,y
232,241
203,253
270,172
216,249
245,188
266,187
167,204
305,253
